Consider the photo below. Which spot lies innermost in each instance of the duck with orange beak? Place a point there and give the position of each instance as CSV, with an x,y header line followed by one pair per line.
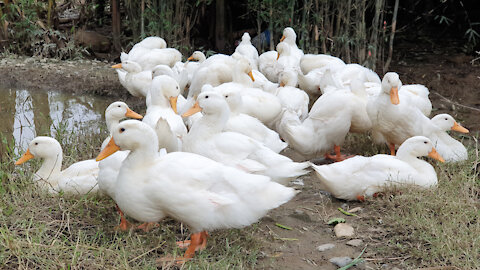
x,y
395,120
359,177
451,149
162,103
202,194
78,179
109,168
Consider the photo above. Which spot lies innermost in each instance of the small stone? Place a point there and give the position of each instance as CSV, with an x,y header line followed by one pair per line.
x,y
354,210
343,230
355,242
324,247
341,261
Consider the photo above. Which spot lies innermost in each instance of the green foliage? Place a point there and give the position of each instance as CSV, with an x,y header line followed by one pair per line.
x,y
28,34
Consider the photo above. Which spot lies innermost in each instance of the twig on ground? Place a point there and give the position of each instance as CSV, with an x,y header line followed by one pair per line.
x,y
456,103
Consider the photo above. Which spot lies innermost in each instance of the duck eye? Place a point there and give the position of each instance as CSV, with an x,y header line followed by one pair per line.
x,y
122,130
206,96
36,143
226,96
425,142
119,106
446,119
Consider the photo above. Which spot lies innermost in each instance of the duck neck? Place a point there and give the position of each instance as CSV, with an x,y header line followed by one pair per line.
x,y
112,123
405,154
210,123
51,166
242,78
144,152
158,100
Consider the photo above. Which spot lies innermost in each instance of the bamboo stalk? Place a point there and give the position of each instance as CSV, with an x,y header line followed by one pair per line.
x,y
50,13
142,19
392,36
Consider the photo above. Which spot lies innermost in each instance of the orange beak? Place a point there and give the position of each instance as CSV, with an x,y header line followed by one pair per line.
x,y
190,58
435,155
282,84
394,96
117,66
173,103
26,157
193,110
459,128
132,114
282,39
278,55
251,75
108,150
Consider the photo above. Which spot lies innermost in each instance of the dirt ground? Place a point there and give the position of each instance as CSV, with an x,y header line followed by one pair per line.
x,y
449,74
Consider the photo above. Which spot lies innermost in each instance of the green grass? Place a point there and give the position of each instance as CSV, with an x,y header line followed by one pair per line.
x,y
435,227
432,227
44,231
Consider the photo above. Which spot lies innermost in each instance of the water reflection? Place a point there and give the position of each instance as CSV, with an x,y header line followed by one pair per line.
x,y
26,114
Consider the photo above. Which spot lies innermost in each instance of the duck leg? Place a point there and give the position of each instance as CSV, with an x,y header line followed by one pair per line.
x,y
196,241
147,226
186,243
338,155
124,224
392,148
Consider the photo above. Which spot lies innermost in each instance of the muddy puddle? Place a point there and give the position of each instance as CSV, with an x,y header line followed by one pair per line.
x,y
26,114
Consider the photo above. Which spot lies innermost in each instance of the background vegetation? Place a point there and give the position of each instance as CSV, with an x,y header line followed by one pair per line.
x,y
358,31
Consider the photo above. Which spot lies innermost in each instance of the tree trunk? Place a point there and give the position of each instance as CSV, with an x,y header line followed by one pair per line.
x,y
116,25
220,25
392,35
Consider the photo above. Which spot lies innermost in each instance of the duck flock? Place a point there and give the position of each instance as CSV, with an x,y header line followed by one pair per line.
x,y
207,151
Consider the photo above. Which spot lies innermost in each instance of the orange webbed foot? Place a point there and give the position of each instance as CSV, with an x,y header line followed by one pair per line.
x,y
338,155
147,226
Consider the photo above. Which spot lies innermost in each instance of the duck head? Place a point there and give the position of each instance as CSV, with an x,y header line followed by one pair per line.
x,y
208,102
164,86
130,135
446,122
390,85
41,147
419,146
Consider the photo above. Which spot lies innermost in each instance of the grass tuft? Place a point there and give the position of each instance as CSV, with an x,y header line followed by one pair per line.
x,y
45,231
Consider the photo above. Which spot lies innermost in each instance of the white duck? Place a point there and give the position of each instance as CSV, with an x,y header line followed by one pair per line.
x,y
360,177
79,178
153,57
197,191
326,126
309,62
394,120
137,81
266,65
292,98
285,59
109,167
264,106
247,50
413,94
450,149
248,125
290,38
234,149
163,95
